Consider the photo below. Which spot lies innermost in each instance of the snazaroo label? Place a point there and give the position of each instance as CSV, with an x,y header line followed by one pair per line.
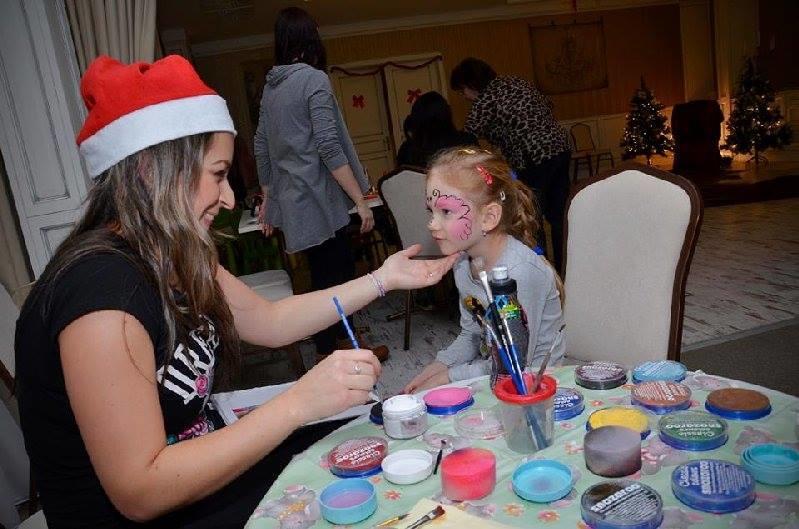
x,y
358,454
622,501
600,371
692,426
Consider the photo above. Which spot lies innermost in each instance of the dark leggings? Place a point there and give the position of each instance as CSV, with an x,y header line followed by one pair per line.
x,y
549,180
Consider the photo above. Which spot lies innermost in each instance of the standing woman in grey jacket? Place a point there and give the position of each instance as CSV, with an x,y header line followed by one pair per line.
x,y
307,166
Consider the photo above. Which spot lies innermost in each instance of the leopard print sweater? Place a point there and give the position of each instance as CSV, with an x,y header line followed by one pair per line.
x,y
514,116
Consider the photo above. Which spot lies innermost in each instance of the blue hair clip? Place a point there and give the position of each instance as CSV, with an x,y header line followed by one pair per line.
x,y
513,175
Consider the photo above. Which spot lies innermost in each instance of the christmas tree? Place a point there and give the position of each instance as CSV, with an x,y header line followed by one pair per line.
x,y
755,123
646,131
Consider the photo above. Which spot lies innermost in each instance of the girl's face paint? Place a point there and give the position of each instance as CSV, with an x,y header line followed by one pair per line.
x,y
452,217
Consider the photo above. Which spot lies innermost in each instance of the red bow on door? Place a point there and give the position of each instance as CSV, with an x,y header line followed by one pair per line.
x,y
357,101
413,95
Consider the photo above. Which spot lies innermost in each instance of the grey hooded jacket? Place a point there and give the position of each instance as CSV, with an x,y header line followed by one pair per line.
x,y
301,138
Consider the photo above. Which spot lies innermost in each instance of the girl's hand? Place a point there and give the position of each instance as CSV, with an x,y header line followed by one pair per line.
x,y
367,217
340,381
266,229
402,272
431,376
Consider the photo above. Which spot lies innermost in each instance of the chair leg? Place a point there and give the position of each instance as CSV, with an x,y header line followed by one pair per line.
x,y
590,165
295,357
406,340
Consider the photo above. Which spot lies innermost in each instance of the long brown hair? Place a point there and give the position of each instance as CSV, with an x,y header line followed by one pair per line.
x,y
141,208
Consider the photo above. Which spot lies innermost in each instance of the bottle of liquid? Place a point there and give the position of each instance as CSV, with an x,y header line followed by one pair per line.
x,y
509,308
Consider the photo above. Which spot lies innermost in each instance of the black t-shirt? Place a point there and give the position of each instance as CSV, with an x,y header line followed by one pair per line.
x,y
70,490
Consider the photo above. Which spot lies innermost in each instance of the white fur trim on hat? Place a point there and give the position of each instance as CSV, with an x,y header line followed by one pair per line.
x,y
154,124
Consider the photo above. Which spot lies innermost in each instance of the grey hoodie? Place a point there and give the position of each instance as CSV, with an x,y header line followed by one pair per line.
x,y
301,138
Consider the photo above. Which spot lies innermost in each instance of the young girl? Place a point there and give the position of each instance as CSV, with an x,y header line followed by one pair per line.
x,y
478,208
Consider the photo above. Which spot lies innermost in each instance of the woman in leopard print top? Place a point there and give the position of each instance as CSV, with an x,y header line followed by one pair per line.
x,y
513,115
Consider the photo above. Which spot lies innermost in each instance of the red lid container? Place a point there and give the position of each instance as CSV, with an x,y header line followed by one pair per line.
x,y
357,456
506,391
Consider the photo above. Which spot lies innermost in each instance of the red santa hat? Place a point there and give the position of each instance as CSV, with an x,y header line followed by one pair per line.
x,y
134,106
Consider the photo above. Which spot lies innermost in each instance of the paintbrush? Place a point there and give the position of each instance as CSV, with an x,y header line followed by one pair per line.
x,y
440,453
354,341
393,520
432,515
544,363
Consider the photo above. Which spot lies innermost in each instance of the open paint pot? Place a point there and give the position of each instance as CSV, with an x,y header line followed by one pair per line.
x,y
448,401
357,458
667,370
713,485
612,451
404,416
661,396
542,481
376,413
348,501
406,467
600,375
692,430
468,474
569,403
621,504
772,463
738,403
626,416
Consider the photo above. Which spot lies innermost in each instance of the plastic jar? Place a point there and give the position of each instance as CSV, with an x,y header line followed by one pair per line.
x,y
528,420
404,416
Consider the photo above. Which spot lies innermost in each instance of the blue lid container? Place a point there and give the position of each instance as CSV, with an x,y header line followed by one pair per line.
x,y
376,413
448,400
348,501
667,370
621,504
357,473
542,480
693,430
738,403
713,485
772,463
569,403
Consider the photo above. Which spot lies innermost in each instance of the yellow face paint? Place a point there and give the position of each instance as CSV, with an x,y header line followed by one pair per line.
x,y
620,416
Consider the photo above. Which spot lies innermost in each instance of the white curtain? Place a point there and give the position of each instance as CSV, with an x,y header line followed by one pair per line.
x,y
123,29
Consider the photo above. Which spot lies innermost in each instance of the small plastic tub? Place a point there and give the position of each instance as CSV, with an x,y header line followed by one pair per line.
x,y
376,414
626,416
348,501
771,463
661,397
479,424
406,467
569,403
448,401
612,451
357,458
693,430
528,420
600,375
713,485
542,481
468,474
621,504
738,403
667,370
404,416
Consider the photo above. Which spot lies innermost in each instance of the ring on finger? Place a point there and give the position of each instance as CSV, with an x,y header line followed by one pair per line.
x,y
357,368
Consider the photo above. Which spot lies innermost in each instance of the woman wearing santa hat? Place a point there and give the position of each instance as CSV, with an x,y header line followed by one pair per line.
x,y
120,343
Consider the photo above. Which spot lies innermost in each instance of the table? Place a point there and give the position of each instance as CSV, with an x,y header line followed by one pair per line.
x,y
248,222
775,507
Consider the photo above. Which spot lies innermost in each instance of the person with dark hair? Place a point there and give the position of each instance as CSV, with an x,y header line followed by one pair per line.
x,y
514,116
309,171
429,129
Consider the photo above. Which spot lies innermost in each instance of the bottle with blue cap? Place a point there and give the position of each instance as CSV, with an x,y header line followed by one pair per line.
x,y
506,299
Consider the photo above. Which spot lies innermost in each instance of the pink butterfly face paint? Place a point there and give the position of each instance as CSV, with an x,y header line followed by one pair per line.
x,y
451,218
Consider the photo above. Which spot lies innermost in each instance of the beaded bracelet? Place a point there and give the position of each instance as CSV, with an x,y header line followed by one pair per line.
x,y
381,290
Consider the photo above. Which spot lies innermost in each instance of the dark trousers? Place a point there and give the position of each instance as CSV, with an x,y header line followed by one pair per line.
x,y
549,180
331,263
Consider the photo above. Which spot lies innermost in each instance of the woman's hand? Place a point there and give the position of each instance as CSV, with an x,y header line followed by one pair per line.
x,y
401,272
367,217
431,376
340,381
266,229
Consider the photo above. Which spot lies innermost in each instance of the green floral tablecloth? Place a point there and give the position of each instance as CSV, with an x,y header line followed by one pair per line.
x,y
291,501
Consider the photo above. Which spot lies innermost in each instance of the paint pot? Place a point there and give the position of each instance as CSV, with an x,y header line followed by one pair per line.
x,y
667,370
626,416
479,424
661,396
612,451
542,480
692,430
713,485
600,375
376,413
738,403
357,458
468,474
772,463
528,420
406,467
621,504
348,501
569,403
448,401
404,416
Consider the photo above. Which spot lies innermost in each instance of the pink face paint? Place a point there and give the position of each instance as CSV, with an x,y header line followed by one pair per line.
x,y
459,224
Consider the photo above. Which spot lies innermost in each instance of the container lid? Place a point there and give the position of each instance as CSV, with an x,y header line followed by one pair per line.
x,y
376,413
661,396
542,480
448,401
479,424
356,456
659,370
713,485
402,406
772,463
626,416
406,467
348,501
738,403
568,404
621,504
600,375
505,390
692,430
